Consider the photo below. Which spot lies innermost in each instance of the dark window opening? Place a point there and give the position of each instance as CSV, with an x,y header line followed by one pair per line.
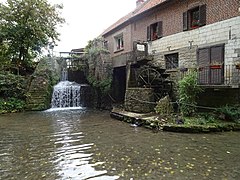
x,y
171,61
154,31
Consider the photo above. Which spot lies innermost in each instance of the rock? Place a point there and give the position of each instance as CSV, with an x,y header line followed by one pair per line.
x,y
164,106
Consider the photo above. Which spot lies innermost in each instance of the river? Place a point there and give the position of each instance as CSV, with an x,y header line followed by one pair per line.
x,y
88,144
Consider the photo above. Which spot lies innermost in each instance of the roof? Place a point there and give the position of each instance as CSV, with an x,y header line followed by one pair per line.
x,y
147,5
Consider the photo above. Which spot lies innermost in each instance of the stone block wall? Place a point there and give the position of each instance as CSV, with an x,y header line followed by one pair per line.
x,y
186,43
140,100
46,75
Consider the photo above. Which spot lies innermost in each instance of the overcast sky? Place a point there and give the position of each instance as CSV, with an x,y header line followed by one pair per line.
x,y
86,19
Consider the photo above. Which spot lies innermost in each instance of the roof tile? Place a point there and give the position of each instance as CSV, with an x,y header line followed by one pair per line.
x,y
139,10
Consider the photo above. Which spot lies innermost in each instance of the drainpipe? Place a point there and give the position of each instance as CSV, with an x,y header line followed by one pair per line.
x,y
128,71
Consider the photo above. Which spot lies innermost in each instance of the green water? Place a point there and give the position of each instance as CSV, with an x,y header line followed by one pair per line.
x,y
87,144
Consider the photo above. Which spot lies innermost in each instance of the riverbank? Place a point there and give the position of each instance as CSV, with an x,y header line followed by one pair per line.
x,y
157,122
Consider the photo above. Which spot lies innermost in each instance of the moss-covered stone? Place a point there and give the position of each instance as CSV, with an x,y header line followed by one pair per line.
x,y
202,128
167,123
139,100
164,106
44,78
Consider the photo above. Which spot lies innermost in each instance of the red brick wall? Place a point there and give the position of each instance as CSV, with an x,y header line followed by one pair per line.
x,y
171,16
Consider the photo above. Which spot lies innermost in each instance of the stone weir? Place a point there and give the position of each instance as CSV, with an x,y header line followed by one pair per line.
x,y
69,94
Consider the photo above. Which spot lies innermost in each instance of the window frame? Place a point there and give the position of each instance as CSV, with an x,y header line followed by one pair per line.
x,y
194,21
154,31
188,17
119,42
206,57
173,65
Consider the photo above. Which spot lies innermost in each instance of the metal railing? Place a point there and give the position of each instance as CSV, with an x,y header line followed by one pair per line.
x,y
218,75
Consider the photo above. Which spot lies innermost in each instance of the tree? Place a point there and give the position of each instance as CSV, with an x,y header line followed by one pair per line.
x,y
25,27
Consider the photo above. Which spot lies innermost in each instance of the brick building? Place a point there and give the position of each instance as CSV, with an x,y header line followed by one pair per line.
x,y
182,35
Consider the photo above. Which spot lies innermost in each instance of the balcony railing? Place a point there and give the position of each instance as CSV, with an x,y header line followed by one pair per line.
x,y
219,75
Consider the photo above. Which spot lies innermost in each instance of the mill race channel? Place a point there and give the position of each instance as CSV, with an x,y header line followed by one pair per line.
x,y
88,144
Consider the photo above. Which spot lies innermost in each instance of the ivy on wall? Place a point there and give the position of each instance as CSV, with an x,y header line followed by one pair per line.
x,y
99,70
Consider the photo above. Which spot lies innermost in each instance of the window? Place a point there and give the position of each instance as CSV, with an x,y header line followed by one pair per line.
x,y
206,57
194,18
171,61
105,44
119,44
154,31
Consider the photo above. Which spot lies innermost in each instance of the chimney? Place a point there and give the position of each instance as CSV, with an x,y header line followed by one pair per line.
x,y
139,2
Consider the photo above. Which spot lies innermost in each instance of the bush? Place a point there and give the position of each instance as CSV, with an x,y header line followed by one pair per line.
x,y
12,86
12,92
11,105
188,91
230,113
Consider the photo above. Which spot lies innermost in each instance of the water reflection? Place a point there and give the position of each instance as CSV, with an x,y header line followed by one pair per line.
x,y
45,145
84,144
72,155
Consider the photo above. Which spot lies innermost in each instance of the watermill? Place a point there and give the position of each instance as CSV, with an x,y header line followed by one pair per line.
x,y
155,78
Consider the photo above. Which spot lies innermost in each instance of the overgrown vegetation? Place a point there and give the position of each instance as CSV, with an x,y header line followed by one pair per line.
x,y
99,72
104,85
188,91
229,113
12,92
23,33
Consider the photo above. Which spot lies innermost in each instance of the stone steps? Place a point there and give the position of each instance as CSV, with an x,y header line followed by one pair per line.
x,y
40,88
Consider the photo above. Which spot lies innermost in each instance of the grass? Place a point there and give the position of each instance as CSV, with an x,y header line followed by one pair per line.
x,y
203,122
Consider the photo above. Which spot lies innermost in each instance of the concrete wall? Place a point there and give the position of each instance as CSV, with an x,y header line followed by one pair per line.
x,y
219,97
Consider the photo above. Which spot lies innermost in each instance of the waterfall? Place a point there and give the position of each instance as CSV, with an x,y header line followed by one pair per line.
x,y
64,75
66,94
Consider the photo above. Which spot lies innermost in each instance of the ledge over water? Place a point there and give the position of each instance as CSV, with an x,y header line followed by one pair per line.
x,y
156,122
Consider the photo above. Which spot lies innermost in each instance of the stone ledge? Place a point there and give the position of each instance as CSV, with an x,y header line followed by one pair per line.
x,y
155,122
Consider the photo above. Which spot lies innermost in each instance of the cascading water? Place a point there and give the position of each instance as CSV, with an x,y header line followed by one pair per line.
x,y
64,75
66,94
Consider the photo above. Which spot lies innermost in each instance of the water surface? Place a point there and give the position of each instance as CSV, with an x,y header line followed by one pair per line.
x,y
86,144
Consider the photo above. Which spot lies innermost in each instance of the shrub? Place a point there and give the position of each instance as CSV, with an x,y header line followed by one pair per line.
x,y
188,91
11,105
12,86
12,92
230,113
